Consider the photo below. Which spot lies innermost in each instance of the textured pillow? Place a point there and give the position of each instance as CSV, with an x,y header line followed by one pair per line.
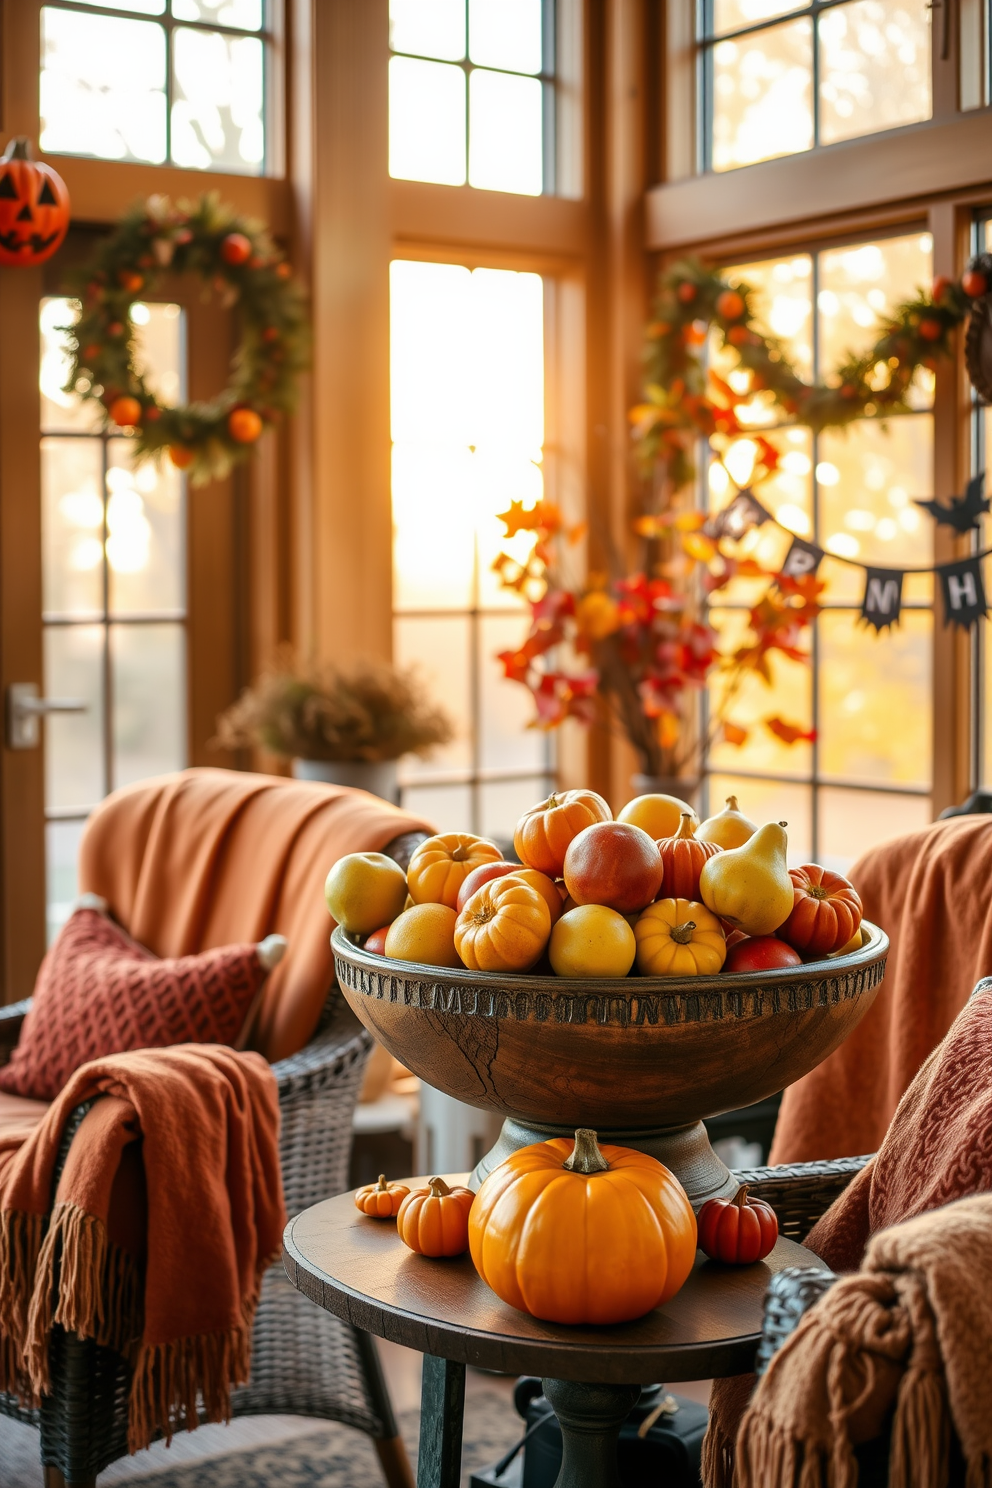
x,y
98,992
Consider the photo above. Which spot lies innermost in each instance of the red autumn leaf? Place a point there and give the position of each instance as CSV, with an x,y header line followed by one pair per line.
x,y
789,733
733,733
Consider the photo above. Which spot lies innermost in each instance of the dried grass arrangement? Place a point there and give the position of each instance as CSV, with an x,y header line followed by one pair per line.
x,y
370,711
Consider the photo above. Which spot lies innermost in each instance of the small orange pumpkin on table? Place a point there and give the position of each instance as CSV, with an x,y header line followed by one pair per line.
x,y
381,1200
572,1232
433,1221
737,1231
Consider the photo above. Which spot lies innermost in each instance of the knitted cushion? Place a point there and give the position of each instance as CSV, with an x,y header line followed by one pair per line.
x,y
98,992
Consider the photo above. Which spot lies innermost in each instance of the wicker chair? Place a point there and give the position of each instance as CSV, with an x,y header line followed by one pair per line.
x,y
305,1362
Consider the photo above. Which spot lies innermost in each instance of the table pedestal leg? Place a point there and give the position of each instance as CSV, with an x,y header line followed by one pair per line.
x,y
590,1417
442,1405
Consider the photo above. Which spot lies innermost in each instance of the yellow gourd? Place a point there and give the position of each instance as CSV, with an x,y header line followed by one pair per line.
x,y
750,885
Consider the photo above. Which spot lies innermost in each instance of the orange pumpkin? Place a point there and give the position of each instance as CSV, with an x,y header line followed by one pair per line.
x,y
440,866
433,1221
381,1200
544,833
682,858
34,207
504,926
678,937
826,912
575,1233
546,887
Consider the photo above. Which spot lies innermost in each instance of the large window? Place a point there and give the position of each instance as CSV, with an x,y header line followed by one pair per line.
x,y
868,773
471,93
779,77
178,81
114,595
468,435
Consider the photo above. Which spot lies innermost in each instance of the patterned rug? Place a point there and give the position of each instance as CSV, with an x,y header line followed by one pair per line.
x,y
297,1454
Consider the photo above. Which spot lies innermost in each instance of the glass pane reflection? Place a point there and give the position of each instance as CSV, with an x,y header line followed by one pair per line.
x,y
72,526
246,15
91,104
148,666
75,761
506,34
426,121
217,109
436,29
505,143
762,95
874,67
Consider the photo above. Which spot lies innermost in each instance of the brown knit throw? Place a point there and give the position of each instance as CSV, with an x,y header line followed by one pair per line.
x,y
168,1211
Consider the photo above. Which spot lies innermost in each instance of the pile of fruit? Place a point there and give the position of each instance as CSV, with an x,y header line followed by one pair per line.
x,y
653,891
620,1217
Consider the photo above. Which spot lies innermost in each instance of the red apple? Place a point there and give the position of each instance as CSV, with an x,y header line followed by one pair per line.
x,y
480,876
761,953
615,864
376,942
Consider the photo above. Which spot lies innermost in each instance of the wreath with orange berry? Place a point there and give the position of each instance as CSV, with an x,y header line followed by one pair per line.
x,y
684,396
238,260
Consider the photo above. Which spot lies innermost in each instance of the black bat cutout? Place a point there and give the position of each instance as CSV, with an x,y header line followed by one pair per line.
x,y
964,511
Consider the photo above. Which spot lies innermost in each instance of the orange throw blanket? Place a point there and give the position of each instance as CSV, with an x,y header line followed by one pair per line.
x,y
208,858
173,1290
938,1149
912,1331
929,892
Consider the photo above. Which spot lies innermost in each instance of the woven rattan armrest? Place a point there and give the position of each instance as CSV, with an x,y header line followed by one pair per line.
x,y
338,1044
11,1021
801,1192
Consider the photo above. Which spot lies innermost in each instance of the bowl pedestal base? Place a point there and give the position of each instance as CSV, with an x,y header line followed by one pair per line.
x,y
684,1150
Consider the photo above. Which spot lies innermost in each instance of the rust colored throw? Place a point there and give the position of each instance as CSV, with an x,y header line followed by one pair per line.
x,y
210,858
929,892
910,1335
167,1213
938,1150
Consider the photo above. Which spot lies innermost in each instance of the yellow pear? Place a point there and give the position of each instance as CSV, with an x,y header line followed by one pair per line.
x,y
729,828
750,885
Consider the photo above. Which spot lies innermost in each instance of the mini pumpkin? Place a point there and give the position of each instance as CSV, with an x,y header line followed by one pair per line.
x,y
440,866
505,926
34,207
574,1233
679,937
544,833
381,1200
826,912
682,859
433,1221
737,1231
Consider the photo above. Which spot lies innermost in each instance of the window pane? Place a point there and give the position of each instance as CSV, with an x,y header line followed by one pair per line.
x,y
503,803
148,664
790,696
505,33
60,410
145,531
426,121
784,308
441,651
245,15
770,800
874,67
851,822
505,133
140,7
62,839
158,349
74,742
102,87
875,699
729,15
868,476
428,319
505,741
449,807
429,28
861,283
217,119
434,527
72,526
762,95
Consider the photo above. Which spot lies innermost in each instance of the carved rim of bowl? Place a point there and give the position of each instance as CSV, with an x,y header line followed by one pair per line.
x,y
832,979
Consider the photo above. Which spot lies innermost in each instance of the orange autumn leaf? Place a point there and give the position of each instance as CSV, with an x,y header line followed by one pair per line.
x,y
734,734
699,546
789,733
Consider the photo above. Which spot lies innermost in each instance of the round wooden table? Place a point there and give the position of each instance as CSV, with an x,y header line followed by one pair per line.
x,y
358,1269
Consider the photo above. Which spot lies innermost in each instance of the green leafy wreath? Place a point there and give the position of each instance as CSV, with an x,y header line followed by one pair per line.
x,y
238,260
682,395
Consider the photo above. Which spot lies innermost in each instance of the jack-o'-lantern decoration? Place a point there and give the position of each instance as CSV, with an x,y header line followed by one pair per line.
x,y
34,207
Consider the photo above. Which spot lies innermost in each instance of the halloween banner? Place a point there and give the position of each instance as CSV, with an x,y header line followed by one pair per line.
x,y
802,559
743,513
963,591
882,604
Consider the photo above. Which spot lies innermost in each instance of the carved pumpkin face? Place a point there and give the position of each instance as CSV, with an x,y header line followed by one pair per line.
x,y
34,207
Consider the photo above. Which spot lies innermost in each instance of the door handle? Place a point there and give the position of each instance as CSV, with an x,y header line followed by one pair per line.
x,y
25,709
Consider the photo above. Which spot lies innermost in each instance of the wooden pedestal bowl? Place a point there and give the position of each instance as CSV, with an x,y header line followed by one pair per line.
x,y
641,1060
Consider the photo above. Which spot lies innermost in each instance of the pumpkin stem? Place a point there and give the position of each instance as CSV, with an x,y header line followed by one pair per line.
x,y
458,855
740,1197
586,1156
685,832
18,148
783,824
732,804
682,934
817,891
438,1188
382,1185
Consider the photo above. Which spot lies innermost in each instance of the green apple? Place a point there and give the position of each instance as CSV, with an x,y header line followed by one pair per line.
x,y
365,891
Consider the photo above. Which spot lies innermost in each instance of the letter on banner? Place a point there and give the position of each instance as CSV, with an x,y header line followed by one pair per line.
x,y
964,592
882,603
801,560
